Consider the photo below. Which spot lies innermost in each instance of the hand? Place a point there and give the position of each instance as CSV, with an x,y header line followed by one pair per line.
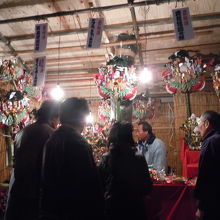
x,y
199,214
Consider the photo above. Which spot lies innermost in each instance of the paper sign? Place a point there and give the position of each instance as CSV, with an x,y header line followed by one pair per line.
x,y
182,24
95,32
39,72
40,37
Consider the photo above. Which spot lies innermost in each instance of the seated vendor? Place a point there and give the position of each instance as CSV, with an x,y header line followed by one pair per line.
x,y
151,147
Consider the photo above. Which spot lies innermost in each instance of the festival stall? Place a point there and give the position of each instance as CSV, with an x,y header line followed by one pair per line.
x,y
122,40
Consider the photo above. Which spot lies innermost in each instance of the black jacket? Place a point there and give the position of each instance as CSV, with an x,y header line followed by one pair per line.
x,y
72,188
126,180
28,160
207,189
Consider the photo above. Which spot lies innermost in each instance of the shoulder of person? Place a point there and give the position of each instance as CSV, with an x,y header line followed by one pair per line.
x,y
213,140
39,126
71,136
159,141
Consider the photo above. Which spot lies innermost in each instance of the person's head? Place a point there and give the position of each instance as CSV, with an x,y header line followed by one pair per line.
x,y
209,120
121,135
49,113
73,111
144,130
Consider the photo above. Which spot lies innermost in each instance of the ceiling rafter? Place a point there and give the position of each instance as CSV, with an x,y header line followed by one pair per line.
x,y
79,11
83,47
127,25
72,59
136,31
13,51
63,20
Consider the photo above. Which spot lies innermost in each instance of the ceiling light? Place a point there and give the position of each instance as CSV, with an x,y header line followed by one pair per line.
x,y
145,76
57,93
89,118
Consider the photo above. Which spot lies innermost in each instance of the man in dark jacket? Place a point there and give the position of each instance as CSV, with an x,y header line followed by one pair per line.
x,y
24,195
207,189
71,185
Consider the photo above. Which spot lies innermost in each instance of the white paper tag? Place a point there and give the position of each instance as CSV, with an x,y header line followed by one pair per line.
x,y
95,32
182,24
41,31
39,72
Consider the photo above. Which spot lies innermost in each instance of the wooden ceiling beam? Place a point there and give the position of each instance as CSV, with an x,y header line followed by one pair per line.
x,y
69,76
73,59
83,47
123,26
76,70
197,30
150,58
80,11
13,52
63,20
70,84
173,36
19,3
136,32
191,47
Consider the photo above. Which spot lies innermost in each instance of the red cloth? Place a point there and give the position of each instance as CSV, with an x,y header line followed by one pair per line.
x,y
171,202
190,161
184,147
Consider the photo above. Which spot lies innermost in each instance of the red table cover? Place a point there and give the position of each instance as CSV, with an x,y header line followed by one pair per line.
x,y
171,202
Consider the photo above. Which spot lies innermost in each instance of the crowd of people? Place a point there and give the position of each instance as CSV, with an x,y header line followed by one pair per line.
x,y
55,175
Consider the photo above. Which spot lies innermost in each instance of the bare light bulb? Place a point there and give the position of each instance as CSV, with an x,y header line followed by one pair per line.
x,y
57,93
145,76
89,118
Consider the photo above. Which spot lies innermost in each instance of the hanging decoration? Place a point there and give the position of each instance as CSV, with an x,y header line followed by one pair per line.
x,y
143,108
96,135
14,108
104,110
15,104
119,82
216,76
216,80
185,72
10,71
192,136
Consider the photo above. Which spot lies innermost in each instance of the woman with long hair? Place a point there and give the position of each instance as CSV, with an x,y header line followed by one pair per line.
x,y
125,176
